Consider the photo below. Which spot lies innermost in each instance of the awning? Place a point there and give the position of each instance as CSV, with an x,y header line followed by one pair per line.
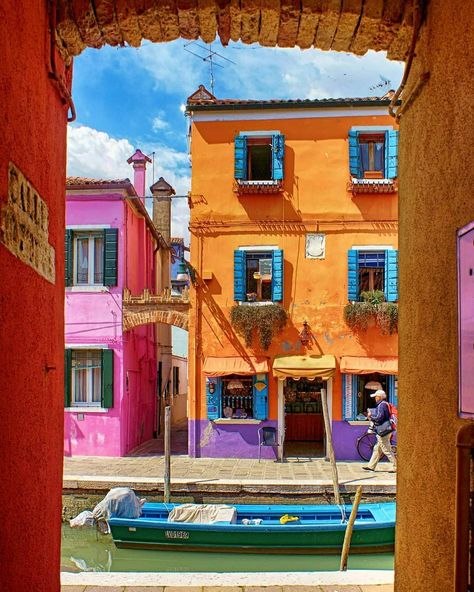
x,y
361,365
310,367
235,365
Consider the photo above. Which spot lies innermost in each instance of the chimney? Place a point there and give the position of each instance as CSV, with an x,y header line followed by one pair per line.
x,y
162,192
139,161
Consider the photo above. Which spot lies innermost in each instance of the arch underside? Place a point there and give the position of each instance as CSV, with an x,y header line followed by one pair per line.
x,y
355,26
167,317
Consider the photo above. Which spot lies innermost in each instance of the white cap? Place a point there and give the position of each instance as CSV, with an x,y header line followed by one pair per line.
x,y
379,393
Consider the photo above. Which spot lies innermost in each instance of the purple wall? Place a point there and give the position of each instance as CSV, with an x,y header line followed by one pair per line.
x,y
217,440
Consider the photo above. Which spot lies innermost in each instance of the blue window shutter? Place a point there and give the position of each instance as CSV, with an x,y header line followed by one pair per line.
x,y
213,400
393,389
349,394
107,378
68,267
352,275
354,155
67,377
110,256
240,271
391,275
260,396
277,275
391,154
278,156
240,157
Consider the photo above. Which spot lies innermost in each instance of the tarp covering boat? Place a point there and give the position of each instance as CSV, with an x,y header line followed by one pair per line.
x,y
203,514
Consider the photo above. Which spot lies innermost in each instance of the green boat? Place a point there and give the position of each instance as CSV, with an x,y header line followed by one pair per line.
x,y
270,529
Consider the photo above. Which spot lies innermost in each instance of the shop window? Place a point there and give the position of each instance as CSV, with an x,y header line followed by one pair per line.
x,y
356,391
259,158
91,257
373,270
373,155
258,276
88,378
237,397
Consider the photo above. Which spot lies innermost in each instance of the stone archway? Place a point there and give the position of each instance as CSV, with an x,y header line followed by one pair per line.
x,y
149,308
153,315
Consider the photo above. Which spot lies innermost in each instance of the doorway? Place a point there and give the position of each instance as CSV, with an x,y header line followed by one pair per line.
x,y
303,429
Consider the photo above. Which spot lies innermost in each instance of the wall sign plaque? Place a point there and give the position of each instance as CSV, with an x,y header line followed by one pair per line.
x,y
466,320
24,225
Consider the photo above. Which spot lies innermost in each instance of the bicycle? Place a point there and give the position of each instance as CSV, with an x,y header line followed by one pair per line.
x,y
365,445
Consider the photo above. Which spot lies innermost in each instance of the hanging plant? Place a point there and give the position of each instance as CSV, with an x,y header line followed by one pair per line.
x,y
266,321
373,307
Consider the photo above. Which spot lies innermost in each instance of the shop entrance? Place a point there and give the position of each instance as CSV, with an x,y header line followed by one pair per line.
x,y
303,418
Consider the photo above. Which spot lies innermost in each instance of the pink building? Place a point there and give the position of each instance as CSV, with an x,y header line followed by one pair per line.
x,y
111,375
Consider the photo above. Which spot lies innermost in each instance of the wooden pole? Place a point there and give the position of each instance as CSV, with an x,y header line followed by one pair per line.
x,y
332,458
350,526
167,438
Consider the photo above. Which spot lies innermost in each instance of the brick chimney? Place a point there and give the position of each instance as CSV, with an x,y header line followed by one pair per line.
x,y
162,192
139,161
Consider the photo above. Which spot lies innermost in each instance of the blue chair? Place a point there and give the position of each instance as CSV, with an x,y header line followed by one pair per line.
x,y
267,436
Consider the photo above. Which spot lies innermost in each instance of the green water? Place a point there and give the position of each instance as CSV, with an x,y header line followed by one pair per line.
x,y
85,550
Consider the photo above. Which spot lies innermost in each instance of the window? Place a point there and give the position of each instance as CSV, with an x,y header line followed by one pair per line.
x,y
372,270
259,158
175,380
237,397
258,276
91,257
356,391
373,154
88,378
88,259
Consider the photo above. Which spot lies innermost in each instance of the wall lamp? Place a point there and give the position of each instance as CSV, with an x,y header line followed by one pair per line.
x,y
305,334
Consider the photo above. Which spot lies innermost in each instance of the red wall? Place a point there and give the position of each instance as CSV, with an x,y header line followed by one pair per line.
x,y
33,136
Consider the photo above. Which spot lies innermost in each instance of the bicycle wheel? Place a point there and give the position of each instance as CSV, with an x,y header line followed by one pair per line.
x,y
365,445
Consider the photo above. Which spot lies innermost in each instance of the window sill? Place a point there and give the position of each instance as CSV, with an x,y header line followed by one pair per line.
x,y
355,422
357,186
261,303
231,421
270,186
75,289
86,409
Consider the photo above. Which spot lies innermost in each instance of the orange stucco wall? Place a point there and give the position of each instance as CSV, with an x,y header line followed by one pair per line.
x,y
315,199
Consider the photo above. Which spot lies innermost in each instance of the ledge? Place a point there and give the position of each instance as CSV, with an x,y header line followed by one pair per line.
x,y
232,421
360,423
258,186
87,409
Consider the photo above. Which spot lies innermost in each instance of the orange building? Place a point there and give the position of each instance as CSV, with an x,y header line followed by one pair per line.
x,y
293,203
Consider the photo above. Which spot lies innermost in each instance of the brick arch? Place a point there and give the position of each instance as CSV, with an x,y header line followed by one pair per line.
x,y
167,317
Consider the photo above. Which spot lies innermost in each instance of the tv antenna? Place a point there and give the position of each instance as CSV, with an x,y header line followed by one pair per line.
x,y
207,54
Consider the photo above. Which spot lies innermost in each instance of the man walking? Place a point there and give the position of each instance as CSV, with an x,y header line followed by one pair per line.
x,y
381,418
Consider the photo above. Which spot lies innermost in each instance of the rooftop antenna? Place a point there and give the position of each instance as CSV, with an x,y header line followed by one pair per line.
x,y
207,54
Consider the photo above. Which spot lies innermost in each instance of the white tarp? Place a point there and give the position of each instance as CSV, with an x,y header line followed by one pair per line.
x,y
203,514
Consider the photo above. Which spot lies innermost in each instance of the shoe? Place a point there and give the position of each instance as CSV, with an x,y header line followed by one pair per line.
x,y
368,469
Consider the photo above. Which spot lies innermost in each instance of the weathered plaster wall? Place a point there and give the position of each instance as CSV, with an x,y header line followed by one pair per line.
x,y
315,199
436,186
33,137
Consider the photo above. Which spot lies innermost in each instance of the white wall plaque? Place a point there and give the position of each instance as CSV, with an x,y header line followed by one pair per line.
x,y
315,246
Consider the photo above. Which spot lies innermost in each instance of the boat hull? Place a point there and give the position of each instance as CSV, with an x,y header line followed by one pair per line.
x,y
320,530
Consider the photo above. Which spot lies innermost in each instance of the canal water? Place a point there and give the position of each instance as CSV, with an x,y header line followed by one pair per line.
x,y
86,550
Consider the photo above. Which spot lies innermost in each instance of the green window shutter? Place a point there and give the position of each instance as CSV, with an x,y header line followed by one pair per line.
x,y
107,398
240,157
213,399
260,396
67,377
354,154
68,266
110,256
278,156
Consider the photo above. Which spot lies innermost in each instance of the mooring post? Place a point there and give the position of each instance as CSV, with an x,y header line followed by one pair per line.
x,y
332,457
167,437
350,525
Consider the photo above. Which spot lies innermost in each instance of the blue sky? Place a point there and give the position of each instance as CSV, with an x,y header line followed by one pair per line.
x,y
130,98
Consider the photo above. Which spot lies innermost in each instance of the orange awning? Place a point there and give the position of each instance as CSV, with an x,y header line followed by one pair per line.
x,y
235,365
361,365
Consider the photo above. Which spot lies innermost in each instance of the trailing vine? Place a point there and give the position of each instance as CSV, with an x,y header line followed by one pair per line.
x,y
357,315
267,321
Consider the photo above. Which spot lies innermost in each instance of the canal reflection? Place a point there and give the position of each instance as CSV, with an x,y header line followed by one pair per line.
x,y
87,550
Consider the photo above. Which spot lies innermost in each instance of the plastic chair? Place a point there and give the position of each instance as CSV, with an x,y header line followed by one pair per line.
x,y
267,436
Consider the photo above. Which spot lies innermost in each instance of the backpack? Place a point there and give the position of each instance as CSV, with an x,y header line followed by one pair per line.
x,y
393,415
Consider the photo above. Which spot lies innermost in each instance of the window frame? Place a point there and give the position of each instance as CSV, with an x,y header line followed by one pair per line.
x,y
89,380
371,271
89,234
372,138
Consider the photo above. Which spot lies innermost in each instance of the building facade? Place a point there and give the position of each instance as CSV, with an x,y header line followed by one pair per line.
x,y
111,377
298,220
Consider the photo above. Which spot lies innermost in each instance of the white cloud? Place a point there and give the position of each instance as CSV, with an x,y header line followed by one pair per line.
x,y
159,122
93,153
